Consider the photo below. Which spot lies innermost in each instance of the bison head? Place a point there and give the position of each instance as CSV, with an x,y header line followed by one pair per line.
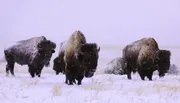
x,y
162,61
88,55
46,48
59,65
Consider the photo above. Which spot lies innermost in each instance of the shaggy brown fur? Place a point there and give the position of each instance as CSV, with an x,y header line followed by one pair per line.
x,y
80,58
141,56
73,44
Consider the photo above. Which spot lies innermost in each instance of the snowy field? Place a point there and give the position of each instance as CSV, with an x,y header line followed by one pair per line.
x,y
102,88
99,89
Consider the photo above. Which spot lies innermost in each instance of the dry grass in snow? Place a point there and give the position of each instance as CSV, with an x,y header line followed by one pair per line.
x,y
102,88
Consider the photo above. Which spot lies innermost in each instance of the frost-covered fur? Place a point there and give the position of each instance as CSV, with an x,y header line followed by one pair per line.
x,y
145,57
116,66
25,47
34,52
73,44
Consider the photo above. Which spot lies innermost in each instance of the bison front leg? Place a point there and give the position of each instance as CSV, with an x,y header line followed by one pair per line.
x,y
69,78
79,79
38,71
10,66
141,73
32,70
149,75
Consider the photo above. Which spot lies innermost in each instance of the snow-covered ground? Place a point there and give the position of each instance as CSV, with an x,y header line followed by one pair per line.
x,y
102,88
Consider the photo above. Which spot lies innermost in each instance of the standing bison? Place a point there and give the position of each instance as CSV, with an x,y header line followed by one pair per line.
x,y
145,57
80,58
59,65
35,52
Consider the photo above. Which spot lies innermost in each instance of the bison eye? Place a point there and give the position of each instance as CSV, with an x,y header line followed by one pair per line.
x,y
53,51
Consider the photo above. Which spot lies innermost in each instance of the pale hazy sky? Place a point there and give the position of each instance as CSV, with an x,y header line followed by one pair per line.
x,y
102,21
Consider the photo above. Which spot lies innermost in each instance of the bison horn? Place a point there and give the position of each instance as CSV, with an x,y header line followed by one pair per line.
x,y
98,49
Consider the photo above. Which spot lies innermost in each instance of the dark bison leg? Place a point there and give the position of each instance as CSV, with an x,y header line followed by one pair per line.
x,y
10,66
10,63
79,79
141,73
32,70
69,77
38,71
57,72
128,71
149,75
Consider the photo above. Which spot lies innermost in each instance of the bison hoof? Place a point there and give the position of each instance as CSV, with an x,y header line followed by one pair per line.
x,y
57,73
70,83
32,76
79,83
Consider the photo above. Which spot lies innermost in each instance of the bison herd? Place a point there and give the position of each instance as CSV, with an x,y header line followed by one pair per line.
x,y
78,59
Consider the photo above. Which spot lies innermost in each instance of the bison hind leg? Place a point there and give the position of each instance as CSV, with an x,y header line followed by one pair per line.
x,y
128,70
10,66
10,63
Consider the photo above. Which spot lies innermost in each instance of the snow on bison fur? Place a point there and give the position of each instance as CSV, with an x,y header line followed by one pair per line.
x,y
117,66
35,52
80,58
145,57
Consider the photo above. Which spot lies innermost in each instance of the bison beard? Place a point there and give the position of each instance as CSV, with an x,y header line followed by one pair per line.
x,y
35,52
145,57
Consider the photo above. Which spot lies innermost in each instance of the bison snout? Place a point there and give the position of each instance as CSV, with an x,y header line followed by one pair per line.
x,y
90,73
162,75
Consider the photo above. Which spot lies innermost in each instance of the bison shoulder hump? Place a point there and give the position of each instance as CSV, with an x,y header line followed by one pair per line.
x,y
73,43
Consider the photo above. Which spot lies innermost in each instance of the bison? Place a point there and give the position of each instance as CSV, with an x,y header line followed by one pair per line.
x,y
59,65
145,57
80,57
35,52
117,66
